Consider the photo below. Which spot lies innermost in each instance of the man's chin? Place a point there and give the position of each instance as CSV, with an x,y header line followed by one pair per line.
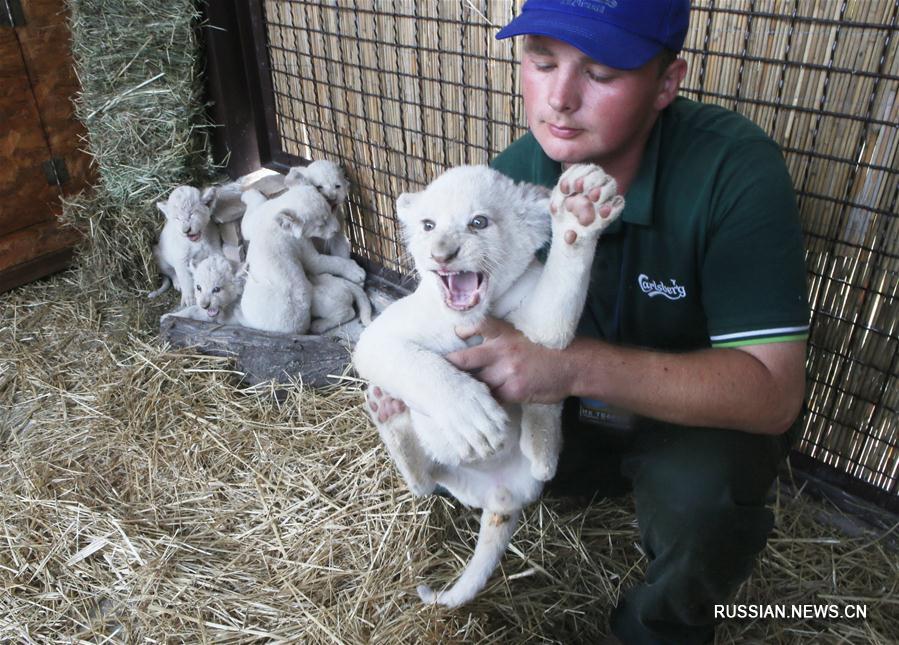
x,y
565,151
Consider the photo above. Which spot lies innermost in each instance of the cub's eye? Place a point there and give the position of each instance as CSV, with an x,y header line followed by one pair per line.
x,y
199,288
479,222
337,186
318,187
427,224
216,289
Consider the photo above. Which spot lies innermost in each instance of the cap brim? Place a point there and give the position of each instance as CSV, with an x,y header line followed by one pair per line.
x,y
599,40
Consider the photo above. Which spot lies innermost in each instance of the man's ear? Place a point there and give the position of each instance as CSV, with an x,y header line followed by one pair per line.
x,y
669,83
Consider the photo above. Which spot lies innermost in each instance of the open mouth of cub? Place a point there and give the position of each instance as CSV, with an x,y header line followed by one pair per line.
x,y
193,237
462,290
212,312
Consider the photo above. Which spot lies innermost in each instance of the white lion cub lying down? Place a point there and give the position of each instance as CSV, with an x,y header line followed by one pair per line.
x,y
472,234
187,237
218,284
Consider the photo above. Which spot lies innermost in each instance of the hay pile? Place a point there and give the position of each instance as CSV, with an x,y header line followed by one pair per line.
x,y
140,68
143,494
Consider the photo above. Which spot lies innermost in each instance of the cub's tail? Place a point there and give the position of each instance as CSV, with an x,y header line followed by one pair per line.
x,y
493,538
166,283
363,304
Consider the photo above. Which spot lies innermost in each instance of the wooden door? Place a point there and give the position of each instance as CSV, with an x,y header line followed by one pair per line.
x,y
40,160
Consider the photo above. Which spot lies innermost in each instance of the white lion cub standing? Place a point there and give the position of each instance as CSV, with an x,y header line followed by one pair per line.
x,y
472,234
187,237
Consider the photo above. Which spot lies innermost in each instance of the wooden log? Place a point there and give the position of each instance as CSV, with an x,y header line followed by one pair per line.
x,y
260,355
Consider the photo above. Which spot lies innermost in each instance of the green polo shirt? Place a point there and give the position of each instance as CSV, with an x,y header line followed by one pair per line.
x,y
708,251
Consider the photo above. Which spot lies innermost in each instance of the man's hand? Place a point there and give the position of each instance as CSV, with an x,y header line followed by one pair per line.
x,y
515,369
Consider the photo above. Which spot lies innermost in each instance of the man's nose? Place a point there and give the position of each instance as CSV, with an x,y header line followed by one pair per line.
x,y
564,95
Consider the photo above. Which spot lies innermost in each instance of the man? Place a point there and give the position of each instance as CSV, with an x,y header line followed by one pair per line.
x,y
689,365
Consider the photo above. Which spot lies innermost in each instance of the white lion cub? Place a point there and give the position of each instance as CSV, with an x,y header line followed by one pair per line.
x,y
188,236
472,234
218,284
328,179
306,202
277,295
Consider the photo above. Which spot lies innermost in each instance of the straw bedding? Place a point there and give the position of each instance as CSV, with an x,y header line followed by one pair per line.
x,y
144,494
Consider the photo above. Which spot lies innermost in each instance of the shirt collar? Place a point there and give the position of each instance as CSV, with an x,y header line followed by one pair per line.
x,y
641,194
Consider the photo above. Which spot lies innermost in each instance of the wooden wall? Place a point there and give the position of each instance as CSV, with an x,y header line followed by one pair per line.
x,y
38,136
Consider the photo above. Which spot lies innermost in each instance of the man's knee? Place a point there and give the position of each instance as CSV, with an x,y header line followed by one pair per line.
x,y
700,512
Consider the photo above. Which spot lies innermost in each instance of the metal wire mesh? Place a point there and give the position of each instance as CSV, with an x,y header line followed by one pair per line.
x,y
398,90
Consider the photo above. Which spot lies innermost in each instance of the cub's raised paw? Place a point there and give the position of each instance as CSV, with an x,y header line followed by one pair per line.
x,y
584,202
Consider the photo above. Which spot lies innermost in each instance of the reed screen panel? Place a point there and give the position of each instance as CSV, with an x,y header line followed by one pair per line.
x,y
398,90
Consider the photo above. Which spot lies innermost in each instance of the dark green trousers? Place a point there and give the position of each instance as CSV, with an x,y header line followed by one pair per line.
x,y
700,497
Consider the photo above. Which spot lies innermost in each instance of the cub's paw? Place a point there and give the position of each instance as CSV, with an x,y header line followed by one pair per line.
x,y
355,273
443,598
584,202
473,424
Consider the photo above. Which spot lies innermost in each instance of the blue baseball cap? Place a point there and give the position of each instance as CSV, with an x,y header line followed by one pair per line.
x,y
624,34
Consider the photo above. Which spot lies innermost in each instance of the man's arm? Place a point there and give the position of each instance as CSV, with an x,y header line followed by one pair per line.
x,y
757,388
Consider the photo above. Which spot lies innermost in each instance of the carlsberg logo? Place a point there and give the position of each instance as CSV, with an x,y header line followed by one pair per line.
x,y
672,291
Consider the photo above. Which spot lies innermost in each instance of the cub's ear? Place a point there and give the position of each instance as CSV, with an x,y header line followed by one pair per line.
x,y
296,176
405,207
208,196
238,273
163,207
290,223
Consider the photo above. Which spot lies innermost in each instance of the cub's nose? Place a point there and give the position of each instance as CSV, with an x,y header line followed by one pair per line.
x,y
443,256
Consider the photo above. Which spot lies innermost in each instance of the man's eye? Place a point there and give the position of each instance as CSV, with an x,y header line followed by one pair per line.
x,y
427,224
599,78
479,222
